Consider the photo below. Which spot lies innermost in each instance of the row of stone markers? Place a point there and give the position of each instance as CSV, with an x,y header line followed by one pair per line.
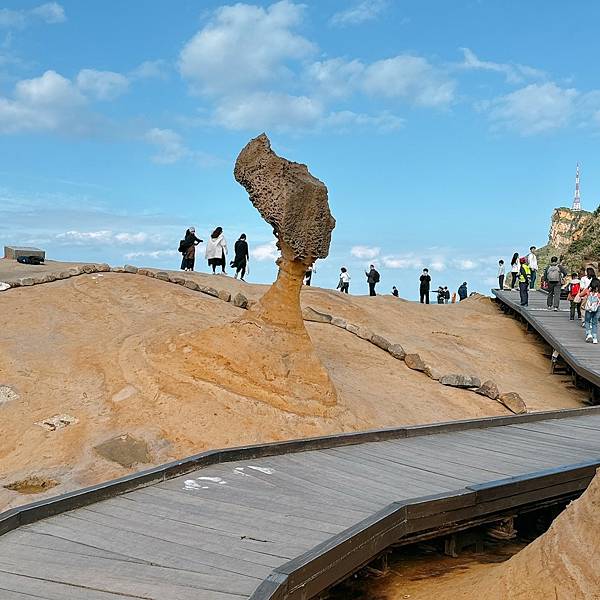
x,y
510,400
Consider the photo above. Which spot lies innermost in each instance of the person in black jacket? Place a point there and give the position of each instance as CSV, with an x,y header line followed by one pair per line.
x,y
241,259
372,279
187,247
425,280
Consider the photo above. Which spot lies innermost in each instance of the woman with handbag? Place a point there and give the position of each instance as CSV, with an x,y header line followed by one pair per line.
x,y
574,296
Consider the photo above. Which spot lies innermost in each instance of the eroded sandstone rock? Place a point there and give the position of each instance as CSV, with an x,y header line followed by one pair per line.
x,y
397,351
224,295
339,322
460,381
489,389
310,314
380,342
513,402
240,300
267,354
415,362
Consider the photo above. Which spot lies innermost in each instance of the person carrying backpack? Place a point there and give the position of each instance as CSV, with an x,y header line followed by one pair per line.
x,y
554,274
574,298
187,247
373,279
344,283
592,303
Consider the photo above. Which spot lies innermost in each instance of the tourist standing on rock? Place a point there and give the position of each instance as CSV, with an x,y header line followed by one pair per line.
x,y
395,292
574,298
241,259
586,280
554,274
533,265
591,295
446,294
462,291
372,279
424,286
515,267
500,274
344,282
187,247
440,295
308,275
216,250
524,281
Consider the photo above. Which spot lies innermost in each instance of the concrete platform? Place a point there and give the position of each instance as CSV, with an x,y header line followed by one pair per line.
x,y
13,252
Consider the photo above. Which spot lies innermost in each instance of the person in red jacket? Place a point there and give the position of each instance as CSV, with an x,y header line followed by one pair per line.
x,y
574,288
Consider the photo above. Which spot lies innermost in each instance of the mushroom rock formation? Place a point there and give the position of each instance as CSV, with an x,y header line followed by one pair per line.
x,y
562,564
267,354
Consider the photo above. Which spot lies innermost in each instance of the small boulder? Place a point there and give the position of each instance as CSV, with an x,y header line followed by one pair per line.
x,y
162,275
118,269
433,373
103,268
489,389
209,291
240,300
125,450
130,269
380,342
25,281
74,271
191,285
224,295
352,328
64,275
7,394
513,402
460,381
414,362
397,351
47,278
310,314
339,322
178,279
364,334
88,268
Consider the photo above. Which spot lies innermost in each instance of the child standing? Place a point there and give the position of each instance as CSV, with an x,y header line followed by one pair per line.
x,y
574,298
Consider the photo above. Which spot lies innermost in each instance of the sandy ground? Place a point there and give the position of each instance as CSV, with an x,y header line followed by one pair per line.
x,y
87,347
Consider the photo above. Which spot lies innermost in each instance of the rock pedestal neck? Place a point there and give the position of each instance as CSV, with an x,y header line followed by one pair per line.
x,y
267,353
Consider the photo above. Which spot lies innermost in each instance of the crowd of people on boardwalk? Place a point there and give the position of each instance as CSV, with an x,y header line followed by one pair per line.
x,y
582,289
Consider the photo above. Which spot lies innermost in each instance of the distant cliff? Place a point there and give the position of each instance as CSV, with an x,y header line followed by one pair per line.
x,y
574,235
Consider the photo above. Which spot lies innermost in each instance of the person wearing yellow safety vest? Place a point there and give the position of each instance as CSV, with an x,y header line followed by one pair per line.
x,y
524,280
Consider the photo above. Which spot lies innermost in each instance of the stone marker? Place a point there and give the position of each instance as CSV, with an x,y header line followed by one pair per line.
x,y
460,381
380,342
14,252
339,322
210,291
191,285
310,314
397,351
224,295
162,275
415,362
352,328
240,300
489,389
178,279
513,402
130,269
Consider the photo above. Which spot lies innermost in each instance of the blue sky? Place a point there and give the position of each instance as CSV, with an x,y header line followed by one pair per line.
x,y
446,132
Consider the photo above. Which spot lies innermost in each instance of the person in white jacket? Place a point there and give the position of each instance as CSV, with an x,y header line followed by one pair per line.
x,y
216,250
533,265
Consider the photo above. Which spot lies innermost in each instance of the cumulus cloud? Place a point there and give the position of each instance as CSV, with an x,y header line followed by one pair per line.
x,y
45,103
50,12
171,147
411,260
366,10
102,85
536,108
365,252
156,254
514,73
264,252
347,120
244,46
151,69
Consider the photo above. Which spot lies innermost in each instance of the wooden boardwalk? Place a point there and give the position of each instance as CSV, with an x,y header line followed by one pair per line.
x,y
565,336
288,520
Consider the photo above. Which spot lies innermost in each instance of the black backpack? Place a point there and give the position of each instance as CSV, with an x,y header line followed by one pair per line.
x,y
183,246
376,276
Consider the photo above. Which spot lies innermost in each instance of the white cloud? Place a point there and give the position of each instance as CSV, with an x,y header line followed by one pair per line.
x,y
171,147
346,120
50,12
47,103
365,252
411,260
514,73
151,69
465,264
411,78
264,252
104,236
157,254
269,110
102,85
366,10
536,108
244,46
335,77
